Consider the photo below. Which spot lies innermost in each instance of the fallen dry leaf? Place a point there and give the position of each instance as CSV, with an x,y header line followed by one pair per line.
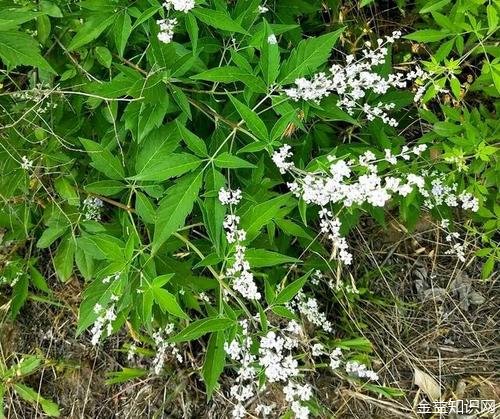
x,y
427,384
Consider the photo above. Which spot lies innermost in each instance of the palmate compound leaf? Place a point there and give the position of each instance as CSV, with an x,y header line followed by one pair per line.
x,y
175,207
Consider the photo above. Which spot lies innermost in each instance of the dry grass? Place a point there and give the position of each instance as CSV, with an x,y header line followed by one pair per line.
x,y
425,312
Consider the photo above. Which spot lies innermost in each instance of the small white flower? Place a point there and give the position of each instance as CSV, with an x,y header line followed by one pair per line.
x,y
179,5
229,197
262,9
357,369
91,210
26,164
166,33
272,40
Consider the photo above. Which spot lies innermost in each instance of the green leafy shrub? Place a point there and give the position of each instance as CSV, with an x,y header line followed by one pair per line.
x,y
202,167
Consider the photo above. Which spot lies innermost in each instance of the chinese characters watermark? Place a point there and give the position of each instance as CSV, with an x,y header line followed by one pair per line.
x,y
461,407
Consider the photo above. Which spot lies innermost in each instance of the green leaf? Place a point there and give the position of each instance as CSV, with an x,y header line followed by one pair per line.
x,y
194,143
17,48
292,229
50,235
151,116
63,259
364,3
446,129
213,366
11,17
121,31
146,15
308,56
105,187
31,396
66,190
434,5
43,28
291,290
217,19
19,295
181,100
175,207
26,365
145,208
156,147
427,35
167,302
228,161
192,29
202,327
38,280
50,8
270,57
259,258
102,246
126,374
492,15
103,160
90,30
104,56
455,87
259,215
230,74
253,121
166,167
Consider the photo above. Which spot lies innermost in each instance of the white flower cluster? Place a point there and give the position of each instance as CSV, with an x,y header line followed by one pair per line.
x,y
295,394
167,26
26,164
335,358
239,271
457,249
356,182
280,159
277,365
359,370
132,351
442,194
105,319
309,308
355,80
179,5
264,410
276,359
331,227
37,95
247,373
229,197
92,207
162,346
